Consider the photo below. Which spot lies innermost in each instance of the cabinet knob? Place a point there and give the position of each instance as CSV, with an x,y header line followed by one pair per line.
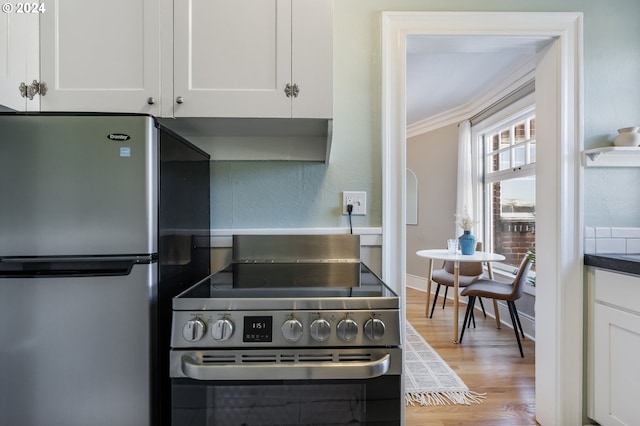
x,y
151,100
179,99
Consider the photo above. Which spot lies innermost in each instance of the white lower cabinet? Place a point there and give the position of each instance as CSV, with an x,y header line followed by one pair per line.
x,y
614,349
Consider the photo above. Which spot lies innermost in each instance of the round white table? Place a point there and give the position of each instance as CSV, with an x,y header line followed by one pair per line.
x,y
478,256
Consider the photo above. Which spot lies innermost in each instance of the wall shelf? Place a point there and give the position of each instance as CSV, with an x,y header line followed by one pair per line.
x,y
612,156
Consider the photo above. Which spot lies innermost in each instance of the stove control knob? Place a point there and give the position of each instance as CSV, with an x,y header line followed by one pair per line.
x,y
320,330
292,330
194,330
374,329
222,330
347,329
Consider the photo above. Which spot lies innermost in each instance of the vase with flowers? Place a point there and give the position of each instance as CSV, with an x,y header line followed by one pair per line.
x,y
467,239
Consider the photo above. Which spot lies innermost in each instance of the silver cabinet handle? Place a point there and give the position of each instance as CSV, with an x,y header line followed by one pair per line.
x,y
33,89
286,371
179,99
36,88
23,89
151,100
291,91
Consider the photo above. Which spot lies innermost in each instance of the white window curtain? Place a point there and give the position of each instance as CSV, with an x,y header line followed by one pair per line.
x,y
464,187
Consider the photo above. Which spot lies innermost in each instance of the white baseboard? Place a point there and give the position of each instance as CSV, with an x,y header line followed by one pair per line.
x,y
416,282
528,323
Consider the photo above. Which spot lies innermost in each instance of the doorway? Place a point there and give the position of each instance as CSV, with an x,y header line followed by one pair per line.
x,y
559,292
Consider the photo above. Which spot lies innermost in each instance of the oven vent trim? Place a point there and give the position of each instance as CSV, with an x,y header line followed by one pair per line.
x,y
216,359
267,358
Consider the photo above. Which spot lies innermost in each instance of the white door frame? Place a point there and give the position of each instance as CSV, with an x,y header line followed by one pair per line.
x,y
559,217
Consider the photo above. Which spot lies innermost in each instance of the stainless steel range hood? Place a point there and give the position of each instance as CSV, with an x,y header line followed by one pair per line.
x,y
280,139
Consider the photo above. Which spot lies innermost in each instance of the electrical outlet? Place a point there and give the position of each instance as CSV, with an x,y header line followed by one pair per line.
x,y
358,199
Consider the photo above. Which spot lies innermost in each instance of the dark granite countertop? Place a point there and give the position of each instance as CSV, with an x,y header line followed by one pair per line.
x,y
628,263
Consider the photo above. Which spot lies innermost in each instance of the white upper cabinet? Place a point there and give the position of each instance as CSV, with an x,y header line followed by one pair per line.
x,y
253,58
312,53
101,56
19,61
213,58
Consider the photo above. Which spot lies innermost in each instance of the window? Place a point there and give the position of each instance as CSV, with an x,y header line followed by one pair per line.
x,y
507,150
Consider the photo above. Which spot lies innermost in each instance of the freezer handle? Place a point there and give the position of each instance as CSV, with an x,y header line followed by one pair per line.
x,y
30,267
146,258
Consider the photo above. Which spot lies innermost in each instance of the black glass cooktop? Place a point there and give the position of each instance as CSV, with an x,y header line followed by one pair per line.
x,y
290,280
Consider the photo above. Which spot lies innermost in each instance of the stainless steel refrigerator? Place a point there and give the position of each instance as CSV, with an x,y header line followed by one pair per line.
x,y
103,219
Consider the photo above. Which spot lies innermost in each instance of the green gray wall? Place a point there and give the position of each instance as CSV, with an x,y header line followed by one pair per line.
x,y
433,157
292,195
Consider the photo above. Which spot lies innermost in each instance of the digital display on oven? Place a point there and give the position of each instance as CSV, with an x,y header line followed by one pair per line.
x,y
257,329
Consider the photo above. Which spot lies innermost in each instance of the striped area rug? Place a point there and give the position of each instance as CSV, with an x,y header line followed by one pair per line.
x,y
428,378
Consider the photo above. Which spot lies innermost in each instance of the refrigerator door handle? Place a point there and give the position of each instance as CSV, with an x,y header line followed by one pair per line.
x,y
70,266
147,258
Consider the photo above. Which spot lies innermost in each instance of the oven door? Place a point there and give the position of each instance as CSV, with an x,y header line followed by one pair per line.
x,y
287,387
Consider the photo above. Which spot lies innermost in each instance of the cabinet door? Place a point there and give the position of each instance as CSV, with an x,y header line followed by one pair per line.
x,y
232,58
101,56
18,59
617,371
312,58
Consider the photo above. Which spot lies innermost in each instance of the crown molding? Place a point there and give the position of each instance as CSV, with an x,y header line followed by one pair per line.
x,y
509,83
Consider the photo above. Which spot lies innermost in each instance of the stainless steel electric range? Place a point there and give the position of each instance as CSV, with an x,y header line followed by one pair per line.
x,y
295,330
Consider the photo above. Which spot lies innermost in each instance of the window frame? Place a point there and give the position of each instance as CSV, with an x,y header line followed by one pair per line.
x,y
517,111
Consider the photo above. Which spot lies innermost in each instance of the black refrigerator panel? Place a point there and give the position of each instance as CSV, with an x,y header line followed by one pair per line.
x,y
184,255
184,221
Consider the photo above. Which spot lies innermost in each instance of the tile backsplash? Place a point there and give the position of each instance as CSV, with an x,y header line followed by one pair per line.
x,y
600,240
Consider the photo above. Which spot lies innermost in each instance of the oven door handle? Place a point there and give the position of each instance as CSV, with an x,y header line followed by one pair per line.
x,y
286,371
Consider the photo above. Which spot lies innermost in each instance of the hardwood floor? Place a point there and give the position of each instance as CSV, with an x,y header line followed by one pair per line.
x,y
487,361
